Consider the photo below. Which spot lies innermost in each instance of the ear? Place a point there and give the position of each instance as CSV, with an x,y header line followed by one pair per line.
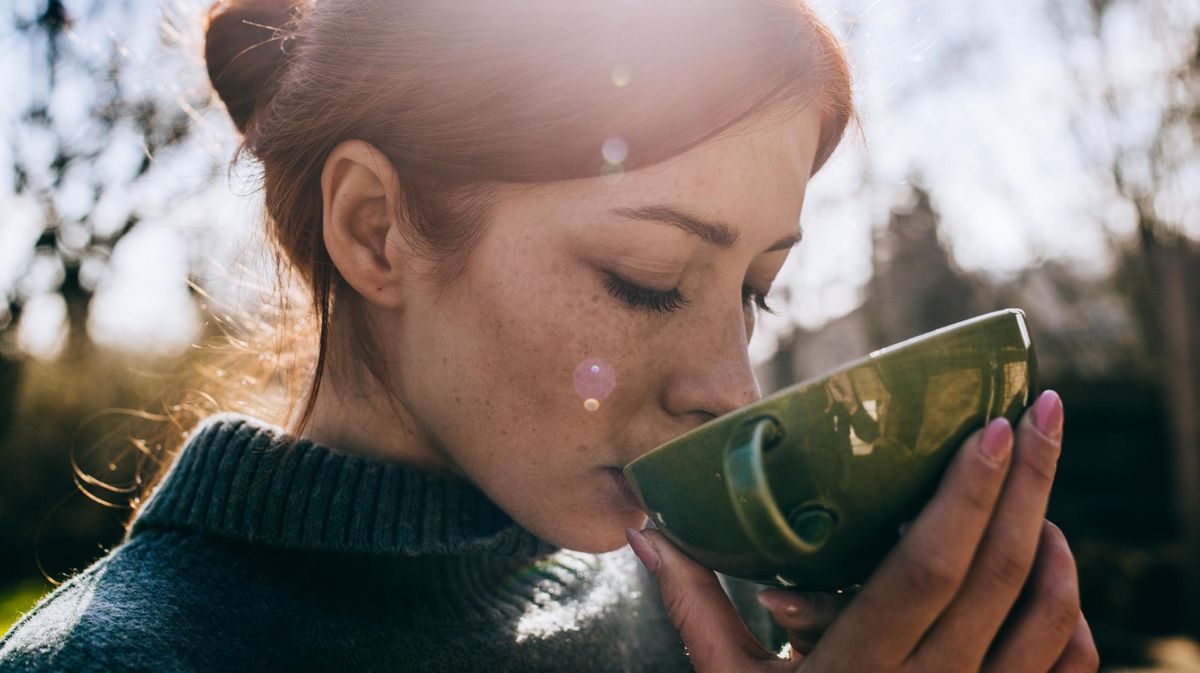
x,y
360,194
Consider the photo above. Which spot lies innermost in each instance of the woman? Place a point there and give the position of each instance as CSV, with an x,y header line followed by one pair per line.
x,y
536,235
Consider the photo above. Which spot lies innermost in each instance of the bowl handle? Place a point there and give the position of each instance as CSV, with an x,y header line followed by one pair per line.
x,y
755,506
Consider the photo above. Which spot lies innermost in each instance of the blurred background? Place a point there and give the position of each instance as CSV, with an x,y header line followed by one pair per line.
x,y
1041,154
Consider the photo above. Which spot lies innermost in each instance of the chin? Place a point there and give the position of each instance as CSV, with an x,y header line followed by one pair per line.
x,y
599,536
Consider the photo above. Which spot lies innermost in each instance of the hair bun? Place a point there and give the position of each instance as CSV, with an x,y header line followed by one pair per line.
x,y
243,50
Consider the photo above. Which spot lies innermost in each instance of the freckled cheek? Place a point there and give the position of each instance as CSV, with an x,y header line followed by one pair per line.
x,y
534,334
521,339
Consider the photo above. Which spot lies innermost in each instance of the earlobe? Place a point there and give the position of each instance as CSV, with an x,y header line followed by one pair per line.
x,y
358,191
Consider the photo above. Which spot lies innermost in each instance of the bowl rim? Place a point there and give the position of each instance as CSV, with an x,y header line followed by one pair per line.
x,y
1016,313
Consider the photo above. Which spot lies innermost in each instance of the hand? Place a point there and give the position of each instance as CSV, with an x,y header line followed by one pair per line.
x,y
940,597
803,614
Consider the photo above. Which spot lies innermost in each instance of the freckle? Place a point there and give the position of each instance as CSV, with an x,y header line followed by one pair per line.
x,y
595,298
458,399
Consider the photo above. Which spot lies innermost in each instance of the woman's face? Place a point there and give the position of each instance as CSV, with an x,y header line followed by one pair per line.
x,y
597,319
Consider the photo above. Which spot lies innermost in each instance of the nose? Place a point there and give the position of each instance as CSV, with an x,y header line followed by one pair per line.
x,y
711,375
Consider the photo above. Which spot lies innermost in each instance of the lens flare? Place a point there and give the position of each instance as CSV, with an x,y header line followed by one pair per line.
x,y
594,380
621,75
611,174
615,149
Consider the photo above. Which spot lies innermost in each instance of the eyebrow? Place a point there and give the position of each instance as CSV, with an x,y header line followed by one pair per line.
x,y
718,233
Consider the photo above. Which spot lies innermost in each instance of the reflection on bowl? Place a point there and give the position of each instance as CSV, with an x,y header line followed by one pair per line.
x,y
806,487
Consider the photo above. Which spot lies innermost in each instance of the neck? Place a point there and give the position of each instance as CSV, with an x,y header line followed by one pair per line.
x,y
369,422
243,478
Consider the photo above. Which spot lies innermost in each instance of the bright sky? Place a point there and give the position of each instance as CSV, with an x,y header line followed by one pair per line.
x,y
997,111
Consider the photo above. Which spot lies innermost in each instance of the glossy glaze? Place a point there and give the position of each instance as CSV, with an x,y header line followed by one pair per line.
x,y
806,487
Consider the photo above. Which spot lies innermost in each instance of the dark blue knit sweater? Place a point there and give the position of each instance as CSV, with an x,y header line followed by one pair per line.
x,y
258,552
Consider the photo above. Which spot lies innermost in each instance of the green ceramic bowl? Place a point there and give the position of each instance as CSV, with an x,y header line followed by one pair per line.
x,y
806,487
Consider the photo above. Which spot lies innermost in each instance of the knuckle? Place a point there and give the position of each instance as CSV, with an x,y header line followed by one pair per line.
x,y
1081,654
932,573
1089,658
1059,593
1061,615
1057,564
1058,596
680,610
1067,595
676,608
979,498
1041,461
1004,567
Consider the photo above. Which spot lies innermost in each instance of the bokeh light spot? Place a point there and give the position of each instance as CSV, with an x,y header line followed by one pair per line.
x,y
594,379
611,174
621,75
615,149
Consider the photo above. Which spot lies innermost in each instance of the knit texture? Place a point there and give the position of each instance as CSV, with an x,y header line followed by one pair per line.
x,y
262,552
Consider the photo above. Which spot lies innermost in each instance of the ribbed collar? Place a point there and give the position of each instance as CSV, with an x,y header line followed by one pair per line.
x,y
241,477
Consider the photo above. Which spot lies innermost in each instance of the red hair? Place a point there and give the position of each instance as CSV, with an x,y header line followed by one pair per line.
x,y
462,94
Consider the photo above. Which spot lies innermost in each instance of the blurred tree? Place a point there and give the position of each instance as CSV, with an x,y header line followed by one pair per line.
x,y
910,260
1137,73
90,126
1170,275
99,111
1154,171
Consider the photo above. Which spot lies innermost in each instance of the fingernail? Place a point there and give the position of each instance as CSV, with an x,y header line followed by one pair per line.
x,y
1048,415
643,549
997,441
774,602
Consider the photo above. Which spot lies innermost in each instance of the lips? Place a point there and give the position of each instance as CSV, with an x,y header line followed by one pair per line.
x,y
622,485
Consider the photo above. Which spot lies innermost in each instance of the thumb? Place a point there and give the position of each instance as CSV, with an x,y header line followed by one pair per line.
x,y
712,630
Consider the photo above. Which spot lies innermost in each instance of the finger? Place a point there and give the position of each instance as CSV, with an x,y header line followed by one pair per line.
x,y
1039,631
920,576
809,612
1081,655
1006,555
711,628
803,614
802,644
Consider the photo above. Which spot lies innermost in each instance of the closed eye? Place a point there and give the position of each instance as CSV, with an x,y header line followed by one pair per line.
x,y
668,301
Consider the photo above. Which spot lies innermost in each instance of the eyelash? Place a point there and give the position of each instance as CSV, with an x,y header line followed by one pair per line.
x,y
667,302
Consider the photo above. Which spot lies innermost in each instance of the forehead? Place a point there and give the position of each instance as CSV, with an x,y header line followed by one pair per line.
x,y
752,176
762,156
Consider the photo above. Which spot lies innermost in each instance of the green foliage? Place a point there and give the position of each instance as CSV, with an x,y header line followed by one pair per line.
x,y
17,599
